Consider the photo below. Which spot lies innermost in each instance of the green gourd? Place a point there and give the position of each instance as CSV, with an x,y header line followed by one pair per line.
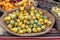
x,y
35,21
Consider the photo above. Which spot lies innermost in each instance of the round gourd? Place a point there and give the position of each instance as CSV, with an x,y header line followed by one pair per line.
x,y
28,23
43,28
40,12
9,26
34,18
35,25
17,20
23,26
38,29
32,22
14,30
35,21
20,24
21,17
19,28
37,15
7,18
31,26
27,17
27,26
20,31
40,20
39,25
16,24
32,8
25,11
49,23
34,30
13,16
29,30
31,14
25,21
36,11
22,8
12,22
45,20
24,30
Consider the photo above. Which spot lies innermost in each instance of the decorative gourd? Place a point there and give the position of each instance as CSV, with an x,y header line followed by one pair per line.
x,y
20,31
34,30
29,30
13,16
21,17
22,8
39,25
9,26
35,21
14,30
12,22
39,29
35,25
49,23
20,24
43,28
19,28
16,24
7,18
32,22
24,30
40,12
28,23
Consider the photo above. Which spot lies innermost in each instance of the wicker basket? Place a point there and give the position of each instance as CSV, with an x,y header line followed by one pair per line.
x,y
57,21
50,17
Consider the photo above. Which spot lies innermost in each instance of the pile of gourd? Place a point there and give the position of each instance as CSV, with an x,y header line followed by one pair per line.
x,y
56,10
11,4
24,21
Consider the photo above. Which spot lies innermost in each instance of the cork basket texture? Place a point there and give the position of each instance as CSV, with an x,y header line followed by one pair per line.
x,y
50,17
